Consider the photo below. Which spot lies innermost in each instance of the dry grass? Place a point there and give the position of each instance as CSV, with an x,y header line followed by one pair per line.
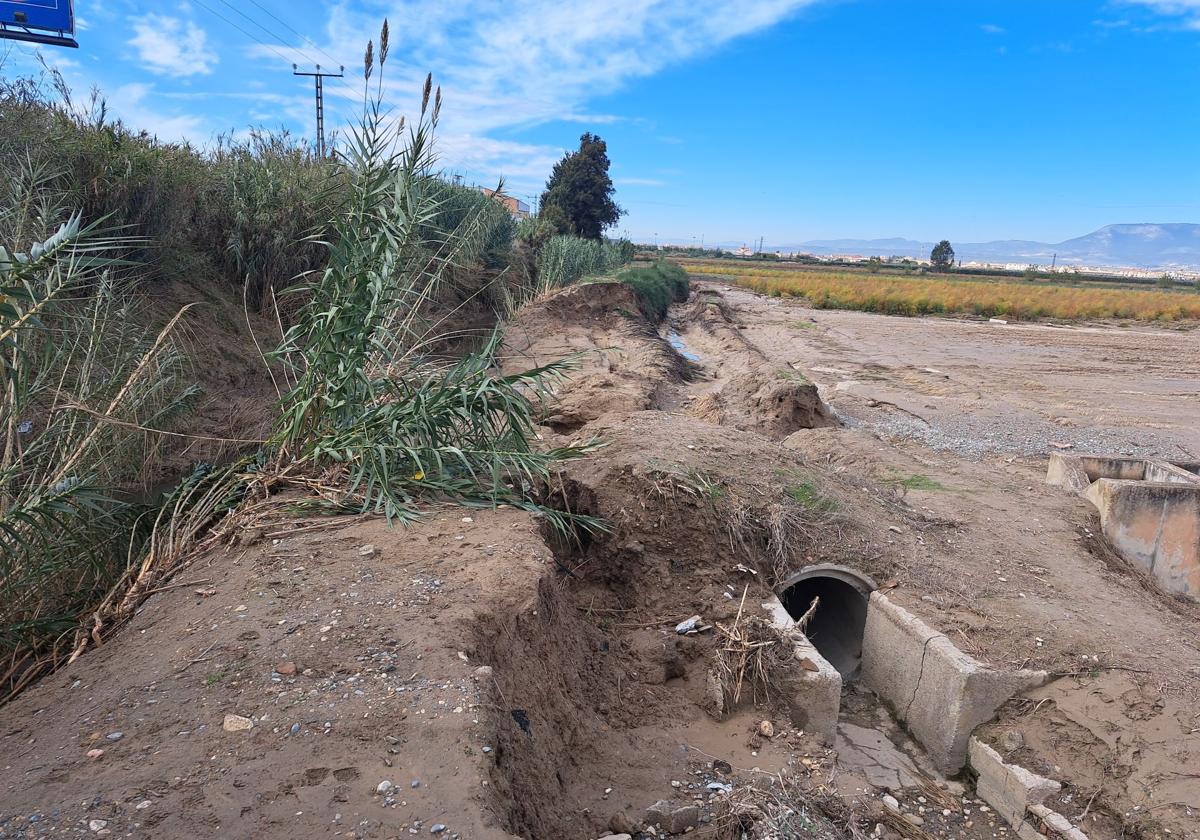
x,y
832,289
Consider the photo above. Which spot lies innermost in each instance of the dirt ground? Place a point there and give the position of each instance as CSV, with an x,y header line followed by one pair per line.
x,y
477,676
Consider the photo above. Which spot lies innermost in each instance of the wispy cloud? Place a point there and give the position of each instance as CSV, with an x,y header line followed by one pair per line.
x,y
1187,10
992,29
130,103
172,46
512,65
640,182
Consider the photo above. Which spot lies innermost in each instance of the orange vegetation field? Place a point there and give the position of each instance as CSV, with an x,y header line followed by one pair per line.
x,y
926,295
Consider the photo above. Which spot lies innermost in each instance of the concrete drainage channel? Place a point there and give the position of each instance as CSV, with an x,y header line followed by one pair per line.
x,y
938,693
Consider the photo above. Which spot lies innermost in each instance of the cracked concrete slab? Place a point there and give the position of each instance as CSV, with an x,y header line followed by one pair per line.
x,y
939,692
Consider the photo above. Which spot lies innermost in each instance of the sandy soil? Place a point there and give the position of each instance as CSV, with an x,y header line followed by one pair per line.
x,y
976,387
1014,571
535,686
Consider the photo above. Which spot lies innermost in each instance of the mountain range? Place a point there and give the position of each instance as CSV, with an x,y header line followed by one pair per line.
x,y
1145,245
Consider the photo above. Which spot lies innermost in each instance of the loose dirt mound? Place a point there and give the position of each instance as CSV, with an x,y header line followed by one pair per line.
x,y
748,392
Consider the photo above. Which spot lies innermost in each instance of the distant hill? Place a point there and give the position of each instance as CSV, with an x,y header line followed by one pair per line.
x,y
1145,245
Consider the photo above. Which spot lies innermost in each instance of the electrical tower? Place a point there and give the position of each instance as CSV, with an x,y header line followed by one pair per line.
x,y
320,77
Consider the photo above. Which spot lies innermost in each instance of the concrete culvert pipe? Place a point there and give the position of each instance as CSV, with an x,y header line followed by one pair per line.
x,y
836,629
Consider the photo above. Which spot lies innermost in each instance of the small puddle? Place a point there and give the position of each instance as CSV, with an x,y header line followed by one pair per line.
x,y
676,341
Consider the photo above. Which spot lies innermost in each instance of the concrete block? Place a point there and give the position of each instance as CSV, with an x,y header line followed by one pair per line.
x,y
813,688
1008,788
940,693
1156,527
1054,824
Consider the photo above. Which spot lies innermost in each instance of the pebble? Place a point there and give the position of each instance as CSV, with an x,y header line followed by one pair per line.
x,y
97,825
295,729
236,723
436,828
416,783
385,787
115,736
891,802
95,754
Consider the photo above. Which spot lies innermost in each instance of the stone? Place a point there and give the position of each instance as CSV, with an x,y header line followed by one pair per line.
x,y
97,825
483,672
620,823
659,813
295,729
286,669
385,787
437,828
617,837
115,736
687,625
368,550
891,802
766,729
914,819
96,754
236,723
683,819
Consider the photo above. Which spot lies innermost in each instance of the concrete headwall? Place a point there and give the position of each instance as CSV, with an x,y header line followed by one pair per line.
x,y
1156,526
813,688
939,692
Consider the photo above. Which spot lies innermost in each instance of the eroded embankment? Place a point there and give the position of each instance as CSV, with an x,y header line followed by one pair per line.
x,y
747,391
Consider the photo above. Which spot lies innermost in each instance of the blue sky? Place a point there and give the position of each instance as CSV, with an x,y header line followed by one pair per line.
x,y
787,119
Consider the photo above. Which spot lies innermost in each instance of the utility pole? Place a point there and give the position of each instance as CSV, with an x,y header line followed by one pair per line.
x,y
319,77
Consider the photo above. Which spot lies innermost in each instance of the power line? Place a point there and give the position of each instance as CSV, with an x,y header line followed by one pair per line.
x,y
299,35
261,43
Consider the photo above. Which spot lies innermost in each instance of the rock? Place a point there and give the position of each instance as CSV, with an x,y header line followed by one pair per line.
x,y
1012,740
621,824
683,819
483,672
914,819
97,825
115,736
385,787
437,828
687,625
416,783
617,837
295,729
722,766
766,729
717,787
236,723
368,550
891,802
286,669
95,754
659,813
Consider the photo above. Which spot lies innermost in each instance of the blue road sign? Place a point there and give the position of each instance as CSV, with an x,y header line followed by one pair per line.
x,y
39,21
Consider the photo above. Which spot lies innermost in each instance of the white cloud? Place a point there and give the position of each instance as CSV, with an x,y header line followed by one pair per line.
x,y
172,46
1189,10
128,102
639,182
992,29
523,63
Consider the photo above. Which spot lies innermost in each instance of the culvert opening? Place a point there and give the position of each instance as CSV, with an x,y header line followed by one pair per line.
x,y
836,628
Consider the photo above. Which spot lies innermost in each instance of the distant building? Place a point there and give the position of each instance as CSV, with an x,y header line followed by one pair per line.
x,y
517,208
743,252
